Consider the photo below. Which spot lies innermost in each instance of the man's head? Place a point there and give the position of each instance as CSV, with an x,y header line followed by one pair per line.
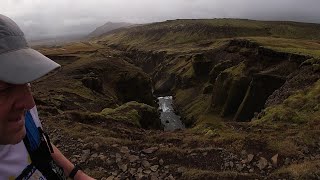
x,y
14,101
19,65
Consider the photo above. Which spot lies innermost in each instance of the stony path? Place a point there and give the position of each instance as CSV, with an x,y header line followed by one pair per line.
x,y
166,157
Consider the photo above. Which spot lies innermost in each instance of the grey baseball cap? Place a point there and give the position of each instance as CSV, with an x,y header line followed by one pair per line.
x,y
19,64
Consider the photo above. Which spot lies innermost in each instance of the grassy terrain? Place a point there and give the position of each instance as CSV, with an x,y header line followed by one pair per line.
x,y
203,63
286,128
196,34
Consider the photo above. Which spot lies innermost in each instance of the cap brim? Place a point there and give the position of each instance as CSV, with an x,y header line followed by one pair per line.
x,y
24,65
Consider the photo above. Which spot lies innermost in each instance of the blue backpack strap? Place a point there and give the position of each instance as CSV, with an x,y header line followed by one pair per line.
x,y
32,132
39,148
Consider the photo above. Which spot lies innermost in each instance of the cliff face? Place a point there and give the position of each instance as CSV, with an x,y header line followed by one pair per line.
x,y
241,78
91,80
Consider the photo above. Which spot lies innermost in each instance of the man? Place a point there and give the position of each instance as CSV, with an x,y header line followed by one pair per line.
x,y
25,151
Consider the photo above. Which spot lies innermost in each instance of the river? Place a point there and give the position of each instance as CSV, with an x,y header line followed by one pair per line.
x,y
168,117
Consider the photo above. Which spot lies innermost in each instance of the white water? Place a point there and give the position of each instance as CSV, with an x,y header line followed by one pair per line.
x,y
169,119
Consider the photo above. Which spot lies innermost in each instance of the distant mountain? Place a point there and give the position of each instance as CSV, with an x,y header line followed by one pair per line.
x,y
107,27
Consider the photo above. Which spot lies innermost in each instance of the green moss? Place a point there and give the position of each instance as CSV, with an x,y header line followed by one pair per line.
x,y
80,91
138,114
193,103
208,122
301,107
188,74
281,113
236,71
123,113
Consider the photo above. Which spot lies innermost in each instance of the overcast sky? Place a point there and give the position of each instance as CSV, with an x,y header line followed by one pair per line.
x,y
40,18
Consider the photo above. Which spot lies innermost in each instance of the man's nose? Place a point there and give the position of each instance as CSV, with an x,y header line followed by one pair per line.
x,y
24,97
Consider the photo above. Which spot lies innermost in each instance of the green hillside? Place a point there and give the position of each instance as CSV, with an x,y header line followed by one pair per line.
x,y
211,32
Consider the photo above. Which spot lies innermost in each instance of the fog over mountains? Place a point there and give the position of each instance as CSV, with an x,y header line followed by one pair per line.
x,y
44,18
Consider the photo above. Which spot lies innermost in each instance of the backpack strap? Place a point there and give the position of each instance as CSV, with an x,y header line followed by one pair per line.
x,y
33,134
39,148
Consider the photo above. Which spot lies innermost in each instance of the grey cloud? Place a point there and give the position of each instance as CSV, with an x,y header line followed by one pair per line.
x,y
52,18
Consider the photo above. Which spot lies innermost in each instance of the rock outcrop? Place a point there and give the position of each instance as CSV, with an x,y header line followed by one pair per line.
x,y
261,87
201,65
